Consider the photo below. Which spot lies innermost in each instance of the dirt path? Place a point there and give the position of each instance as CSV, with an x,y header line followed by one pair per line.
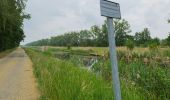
x,y
16,77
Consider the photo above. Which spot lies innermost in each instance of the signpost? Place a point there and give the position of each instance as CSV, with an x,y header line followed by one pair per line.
x,y
112,10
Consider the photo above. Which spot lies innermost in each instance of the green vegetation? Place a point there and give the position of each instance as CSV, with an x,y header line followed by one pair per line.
x,y
167,41
5,53
141,71
66,80
149,70
11,23
98,37
142,38
148,75
63,81
130,45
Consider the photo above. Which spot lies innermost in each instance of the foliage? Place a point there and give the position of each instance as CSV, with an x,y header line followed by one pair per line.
x,y
130,45
152,77
154,45
11,27
96,36
168,20
155,41
60,80
142,38
122,28
168,40
64,80
148,71
68,46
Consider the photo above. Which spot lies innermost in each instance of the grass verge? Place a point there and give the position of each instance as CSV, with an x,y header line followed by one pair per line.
x,y
61,80
5,53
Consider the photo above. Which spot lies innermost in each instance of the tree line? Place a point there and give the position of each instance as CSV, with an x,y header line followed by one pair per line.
x,y
97,36
11,23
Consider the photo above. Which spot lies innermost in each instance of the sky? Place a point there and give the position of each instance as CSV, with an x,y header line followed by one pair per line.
x,y
54,17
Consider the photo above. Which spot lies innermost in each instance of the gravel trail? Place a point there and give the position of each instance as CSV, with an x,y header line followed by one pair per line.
x,y
16,77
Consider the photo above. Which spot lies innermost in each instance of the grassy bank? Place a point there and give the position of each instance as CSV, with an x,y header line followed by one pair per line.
x,y
64,80
5,53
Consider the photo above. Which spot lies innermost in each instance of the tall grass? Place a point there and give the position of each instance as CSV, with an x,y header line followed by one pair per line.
x,y
61,80
152,78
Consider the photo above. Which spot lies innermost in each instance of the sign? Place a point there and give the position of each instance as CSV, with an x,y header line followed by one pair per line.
x,y
110,9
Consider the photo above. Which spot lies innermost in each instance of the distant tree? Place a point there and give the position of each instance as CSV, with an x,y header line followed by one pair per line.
x,y
100,35
96,36
75,41
122,28
130,37
168,40
85,38
130,44
154,44
142,38
103,38
155,41
95,31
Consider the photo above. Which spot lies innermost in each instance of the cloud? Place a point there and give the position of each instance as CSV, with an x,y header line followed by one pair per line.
x,y
54,17
152,14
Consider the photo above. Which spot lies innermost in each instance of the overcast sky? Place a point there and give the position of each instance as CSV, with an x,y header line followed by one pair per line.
x,y
54,17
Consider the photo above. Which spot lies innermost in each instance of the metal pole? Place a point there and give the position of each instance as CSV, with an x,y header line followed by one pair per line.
x,y
113,57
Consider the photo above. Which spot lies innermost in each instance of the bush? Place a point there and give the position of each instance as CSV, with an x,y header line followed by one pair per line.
x,y
69,47
130,45
153,47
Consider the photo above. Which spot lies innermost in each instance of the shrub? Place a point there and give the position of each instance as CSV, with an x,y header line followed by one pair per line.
x,y
130,45
69,47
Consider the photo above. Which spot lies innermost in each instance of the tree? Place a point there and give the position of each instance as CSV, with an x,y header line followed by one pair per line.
x,y
122,28
130,44
11,27
155,41
85,38
103,37
95,31
142,38
154,44
168,40
168,20
96,36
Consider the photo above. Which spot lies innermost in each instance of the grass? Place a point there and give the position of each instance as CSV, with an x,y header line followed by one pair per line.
x,y
103,50
64,80
5,53
153,79
59,80
152,75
